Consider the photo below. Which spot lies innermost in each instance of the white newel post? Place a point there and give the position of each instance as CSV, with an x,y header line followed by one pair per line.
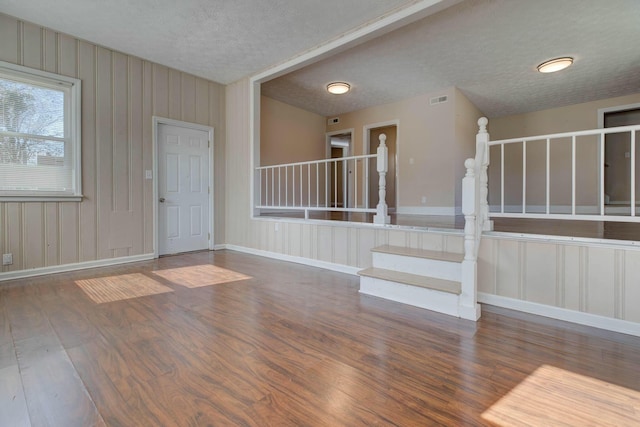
x,y
482,156
468,303
381,216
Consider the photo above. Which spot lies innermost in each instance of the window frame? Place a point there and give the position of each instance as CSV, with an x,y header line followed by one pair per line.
x,y
72,124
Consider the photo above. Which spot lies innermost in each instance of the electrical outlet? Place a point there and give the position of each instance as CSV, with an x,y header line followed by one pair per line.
x,y
424,199
7,259
276,226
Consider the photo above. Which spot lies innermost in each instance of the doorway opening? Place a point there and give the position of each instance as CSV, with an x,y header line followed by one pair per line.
x,y
338,147
372,140
617,158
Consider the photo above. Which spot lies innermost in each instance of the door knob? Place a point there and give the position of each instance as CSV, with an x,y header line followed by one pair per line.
x,y
161,199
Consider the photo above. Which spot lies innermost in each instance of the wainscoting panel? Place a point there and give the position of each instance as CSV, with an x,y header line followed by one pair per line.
x,y
589,277
120,94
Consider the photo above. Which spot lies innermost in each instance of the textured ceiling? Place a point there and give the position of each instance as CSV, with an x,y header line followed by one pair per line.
x,y
489,50
221,40
486,48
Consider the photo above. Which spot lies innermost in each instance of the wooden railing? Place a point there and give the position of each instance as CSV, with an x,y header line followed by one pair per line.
x,y
330,185
566,175
578,157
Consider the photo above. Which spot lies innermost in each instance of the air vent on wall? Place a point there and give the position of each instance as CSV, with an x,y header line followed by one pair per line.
x,y
334,121
438,100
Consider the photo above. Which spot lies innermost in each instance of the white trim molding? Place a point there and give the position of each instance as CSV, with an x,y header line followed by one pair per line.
x,y
587,319
394,20
298,260
10,275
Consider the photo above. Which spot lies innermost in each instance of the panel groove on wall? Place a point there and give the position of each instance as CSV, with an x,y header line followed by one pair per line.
x,y
59,228
584,278
619,284
560,277
522,256
20,43
119,97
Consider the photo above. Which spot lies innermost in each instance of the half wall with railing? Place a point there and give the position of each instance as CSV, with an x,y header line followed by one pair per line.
x,y
582,175
326,185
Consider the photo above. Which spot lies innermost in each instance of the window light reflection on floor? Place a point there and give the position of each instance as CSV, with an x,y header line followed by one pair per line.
x,y
552,396
200,275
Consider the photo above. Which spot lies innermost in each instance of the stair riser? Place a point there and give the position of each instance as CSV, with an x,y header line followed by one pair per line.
x,y
421,266
441,302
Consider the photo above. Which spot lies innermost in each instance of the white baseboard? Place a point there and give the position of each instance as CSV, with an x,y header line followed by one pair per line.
x,y
9,275
219,247
298,260
427,210
587,319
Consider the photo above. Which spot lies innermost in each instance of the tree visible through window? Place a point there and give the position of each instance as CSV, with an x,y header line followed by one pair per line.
x,y
39,134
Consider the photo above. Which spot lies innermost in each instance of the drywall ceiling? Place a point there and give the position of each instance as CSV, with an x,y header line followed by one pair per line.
x,y
221,40
489,50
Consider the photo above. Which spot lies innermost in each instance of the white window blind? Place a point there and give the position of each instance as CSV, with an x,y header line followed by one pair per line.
x,y
39,135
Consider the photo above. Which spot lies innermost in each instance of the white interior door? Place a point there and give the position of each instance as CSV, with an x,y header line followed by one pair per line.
x,y
183,189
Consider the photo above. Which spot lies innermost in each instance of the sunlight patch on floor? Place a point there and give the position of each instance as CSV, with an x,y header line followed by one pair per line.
x,y
200,275
552,396
117,288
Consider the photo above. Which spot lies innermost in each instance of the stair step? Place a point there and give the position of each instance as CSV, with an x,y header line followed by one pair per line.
x,y
419,253
442,285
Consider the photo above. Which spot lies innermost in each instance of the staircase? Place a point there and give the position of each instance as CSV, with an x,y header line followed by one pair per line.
x,y
440,281
423,278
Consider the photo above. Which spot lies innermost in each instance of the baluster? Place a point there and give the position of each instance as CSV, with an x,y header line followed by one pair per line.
x,y
309,185
381,216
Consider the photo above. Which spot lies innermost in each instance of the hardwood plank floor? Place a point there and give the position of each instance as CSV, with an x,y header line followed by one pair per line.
x,y
291,345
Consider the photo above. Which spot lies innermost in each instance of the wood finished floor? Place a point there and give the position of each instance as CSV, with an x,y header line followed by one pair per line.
x,y
292,346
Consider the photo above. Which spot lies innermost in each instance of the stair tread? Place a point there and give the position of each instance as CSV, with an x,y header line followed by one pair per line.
x,y
419,253
443,285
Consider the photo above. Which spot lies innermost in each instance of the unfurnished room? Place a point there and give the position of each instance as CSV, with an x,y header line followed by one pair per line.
x,y
320,213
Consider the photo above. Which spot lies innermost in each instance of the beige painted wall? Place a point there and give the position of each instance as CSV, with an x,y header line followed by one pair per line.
x,y
289,134
336,243
465,128
434,136
120,94
564,119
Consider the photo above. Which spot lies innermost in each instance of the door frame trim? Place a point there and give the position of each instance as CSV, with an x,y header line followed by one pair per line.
x,y
157,121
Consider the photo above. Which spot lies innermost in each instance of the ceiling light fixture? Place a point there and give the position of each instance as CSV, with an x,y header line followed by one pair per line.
x,y
554,65
338,88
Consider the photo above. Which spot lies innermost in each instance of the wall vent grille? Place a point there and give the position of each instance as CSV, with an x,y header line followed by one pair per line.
x,y
438,100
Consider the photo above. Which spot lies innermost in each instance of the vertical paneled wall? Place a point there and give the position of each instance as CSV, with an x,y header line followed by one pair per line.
x,y
120,94
596,279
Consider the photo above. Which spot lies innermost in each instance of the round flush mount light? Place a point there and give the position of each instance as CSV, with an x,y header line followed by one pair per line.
x,y
338,88
556,64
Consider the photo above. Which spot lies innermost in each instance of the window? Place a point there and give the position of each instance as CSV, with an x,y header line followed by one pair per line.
x,y
39,135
